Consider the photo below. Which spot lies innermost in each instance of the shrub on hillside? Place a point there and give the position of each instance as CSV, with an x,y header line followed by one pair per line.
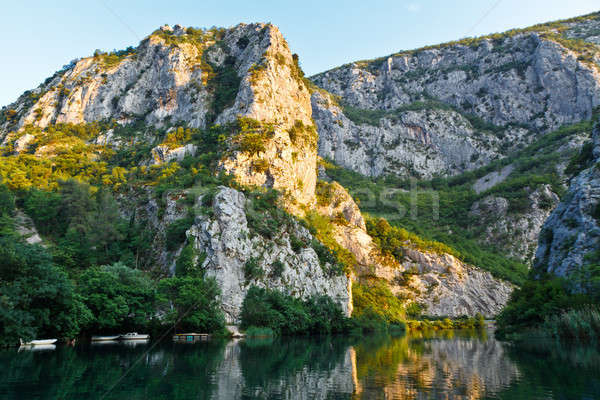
x,y
287,315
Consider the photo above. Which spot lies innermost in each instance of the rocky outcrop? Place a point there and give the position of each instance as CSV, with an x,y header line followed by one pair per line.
x,y
492,179
25,227
571,235
515,233
441,283
418,143
170,78
162,154
454,107
229,244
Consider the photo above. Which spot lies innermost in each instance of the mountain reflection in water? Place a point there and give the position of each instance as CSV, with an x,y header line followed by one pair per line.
x,y
449,365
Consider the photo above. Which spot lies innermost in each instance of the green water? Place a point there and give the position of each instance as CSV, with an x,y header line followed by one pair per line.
x,y
453,365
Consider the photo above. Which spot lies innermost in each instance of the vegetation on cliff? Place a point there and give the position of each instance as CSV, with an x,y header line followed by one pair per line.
x,y
86,276
548,306
436,213
97,254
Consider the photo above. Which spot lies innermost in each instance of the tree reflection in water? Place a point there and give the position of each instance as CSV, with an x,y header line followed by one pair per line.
x,y
449,365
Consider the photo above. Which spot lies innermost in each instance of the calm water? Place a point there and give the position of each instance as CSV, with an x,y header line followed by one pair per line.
x,y
445,366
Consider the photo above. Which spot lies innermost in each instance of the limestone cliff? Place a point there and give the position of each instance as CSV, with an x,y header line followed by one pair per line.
x,y
229,245
454,107
244,82
193,77
570,236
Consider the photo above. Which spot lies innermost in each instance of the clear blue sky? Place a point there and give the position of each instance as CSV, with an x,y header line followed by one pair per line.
x,y
39,37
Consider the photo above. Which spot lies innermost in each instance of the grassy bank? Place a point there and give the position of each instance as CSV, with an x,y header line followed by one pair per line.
x,y
549,307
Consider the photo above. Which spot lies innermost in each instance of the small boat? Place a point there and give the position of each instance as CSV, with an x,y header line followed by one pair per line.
x,y
134,336
38,342
39,347
104,338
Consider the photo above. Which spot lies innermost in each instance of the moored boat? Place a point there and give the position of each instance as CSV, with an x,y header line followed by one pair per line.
x,y
39,347
134,336
104,338
39,342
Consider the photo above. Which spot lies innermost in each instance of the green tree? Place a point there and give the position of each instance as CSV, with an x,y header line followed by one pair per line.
x,y
188,264
36,298
7,209
43,207
533,302
7,201
118,296
193,304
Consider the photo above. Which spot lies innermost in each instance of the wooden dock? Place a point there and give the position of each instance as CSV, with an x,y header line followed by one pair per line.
x,y
190,337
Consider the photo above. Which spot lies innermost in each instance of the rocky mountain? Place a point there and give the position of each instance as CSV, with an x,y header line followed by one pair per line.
x,y
500,117
568,244
243,79
455,107
192,130
194,77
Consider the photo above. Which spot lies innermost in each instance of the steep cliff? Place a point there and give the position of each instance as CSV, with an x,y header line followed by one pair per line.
x,y
238,256
192,130
197,78
454,107
568,243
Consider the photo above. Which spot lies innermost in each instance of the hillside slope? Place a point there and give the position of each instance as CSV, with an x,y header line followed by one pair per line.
x,y
450,108
568,245
490,128
206,140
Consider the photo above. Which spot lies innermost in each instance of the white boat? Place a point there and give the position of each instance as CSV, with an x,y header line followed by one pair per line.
x,y
134,336
104,338
39,347
38,342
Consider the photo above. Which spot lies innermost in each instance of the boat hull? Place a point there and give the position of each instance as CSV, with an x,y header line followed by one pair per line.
x,y
42,342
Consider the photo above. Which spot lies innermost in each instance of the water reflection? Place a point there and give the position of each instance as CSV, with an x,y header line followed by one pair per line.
x,y
452,365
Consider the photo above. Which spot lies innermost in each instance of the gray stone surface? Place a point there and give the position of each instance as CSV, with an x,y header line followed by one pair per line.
x,y
573,231
228,244
526,84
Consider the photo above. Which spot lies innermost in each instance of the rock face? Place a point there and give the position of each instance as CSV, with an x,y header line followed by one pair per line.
x,y
421,142
440,282
570,236
170,78
455,107
26,229
515,233
164,79
229,244
443,285
245,78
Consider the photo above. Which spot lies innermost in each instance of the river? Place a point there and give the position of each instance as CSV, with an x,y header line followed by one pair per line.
x,y
447,365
